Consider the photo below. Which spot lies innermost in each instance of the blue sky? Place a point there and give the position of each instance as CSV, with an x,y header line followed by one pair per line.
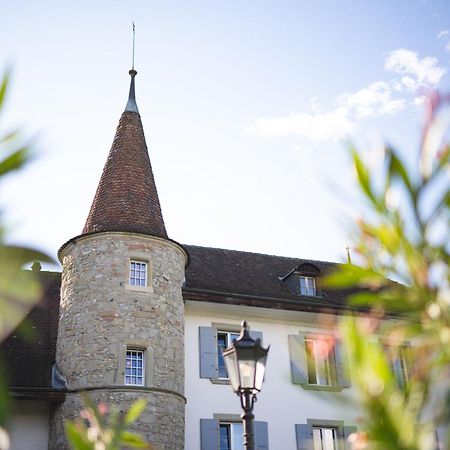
x,y
246,106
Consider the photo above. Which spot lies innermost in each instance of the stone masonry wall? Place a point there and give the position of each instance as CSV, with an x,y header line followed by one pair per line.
x,y
101,314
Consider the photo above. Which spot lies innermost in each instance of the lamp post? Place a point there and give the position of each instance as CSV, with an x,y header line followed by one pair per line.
x,y
245,361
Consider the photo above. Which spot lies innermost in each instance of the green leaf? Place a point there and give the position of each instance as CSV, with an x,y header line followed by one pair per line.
x,y
15,160
9,136
363,177
76,436
133,440
349,275
397,170
4,88
135,411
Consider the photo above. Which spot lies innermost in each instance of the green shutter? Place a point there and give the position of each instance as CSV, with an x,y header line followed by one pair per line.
x,y
208,352
342,372
209,434
304,435
299,366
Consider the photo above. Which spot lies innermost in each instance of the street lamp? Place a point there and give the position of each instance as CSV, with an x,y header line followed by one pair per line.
x,y
245,361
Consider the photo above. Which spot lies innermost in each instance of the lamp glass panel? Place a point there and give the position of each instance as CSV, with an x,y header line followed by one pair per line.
x,y
233,370
247,368
260,370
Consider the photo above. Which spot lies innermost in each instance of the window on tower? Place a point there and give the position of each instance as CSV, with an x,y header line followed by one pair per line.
x,y
134,367
138,273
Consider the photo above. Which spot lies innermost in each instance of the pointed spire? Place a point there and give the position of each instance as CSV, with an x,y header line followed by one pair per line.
x,y
126,197
131,104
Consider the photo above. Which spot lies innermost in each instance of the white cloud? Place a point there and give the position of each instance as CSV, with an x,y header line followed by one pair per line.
x,y
372,101
418,72
380,98
445,35
328,126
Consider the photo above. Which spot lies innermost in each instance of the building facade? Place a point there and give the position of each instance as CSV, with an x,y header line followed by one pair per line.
x,y
136,314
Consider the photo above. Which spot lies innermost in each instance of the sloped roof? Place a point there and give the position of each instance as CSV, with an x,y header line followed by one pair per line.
x,y
29,352
252,274
126,197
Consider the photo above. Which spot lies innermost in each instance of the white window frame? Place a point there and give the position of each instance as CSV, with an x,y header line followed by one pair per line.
x,y
321,435
230,336
132,356
139,279
309,289
321,369
235,434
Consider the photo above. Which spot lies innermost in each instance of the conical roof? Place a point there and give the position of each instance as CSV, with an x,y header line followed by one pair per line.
x,y
126,197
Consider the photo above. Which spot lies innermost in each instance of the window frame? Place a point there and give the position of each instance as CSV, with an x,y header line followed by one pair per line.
x,y
305,433
321,429
136,351
229,341
398,353
234,434
144,271
309,291
209,349
210,431
149,363
320,368
302,365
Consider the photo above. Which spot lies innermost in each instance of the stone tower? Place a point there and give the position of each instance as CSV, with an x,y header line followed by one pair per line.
x,y
121,325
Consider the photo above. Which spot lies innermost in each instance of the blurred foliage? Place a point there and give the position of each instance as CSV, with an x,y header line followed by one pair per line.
x,y
102,429
403,236
19,289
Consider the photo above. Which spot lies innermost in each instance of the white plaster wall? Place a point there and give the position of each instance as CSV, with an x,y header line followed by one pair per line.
x,y
29,425
281,403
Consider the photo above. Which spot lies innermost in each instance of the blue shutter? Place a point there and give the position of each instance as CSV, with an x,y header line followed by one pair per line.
x,y
209,434
347,432
342,375
299,366
208,352
256,335
261,435
304,435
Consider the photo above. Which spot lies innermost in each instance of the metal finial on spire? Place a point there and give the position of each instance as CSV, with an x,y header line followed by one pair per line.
x,y
131,104
134,39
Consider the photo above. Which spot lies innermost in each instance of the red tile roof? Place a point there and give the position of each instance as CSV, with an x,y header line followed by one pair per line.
x,y
126,197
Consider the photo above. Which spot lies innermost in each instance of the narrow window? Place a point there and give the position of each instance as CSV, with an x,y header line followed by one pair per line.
x,y
324,438
224,340
138,273
397,360
134,367
321,363
307,286
231,434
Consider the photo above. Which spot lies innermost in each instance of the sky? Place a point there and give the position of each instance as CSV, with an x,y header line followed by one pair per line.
x,y
248,108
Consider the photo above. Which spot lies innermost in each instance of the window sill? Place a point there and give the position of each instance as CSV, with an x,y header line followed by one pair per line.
x,y
130,287
322,387
219,381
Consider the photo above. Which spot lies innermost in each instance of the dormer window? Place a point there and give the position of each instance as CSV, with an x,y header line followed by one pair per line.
x,y
303,280
307,285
